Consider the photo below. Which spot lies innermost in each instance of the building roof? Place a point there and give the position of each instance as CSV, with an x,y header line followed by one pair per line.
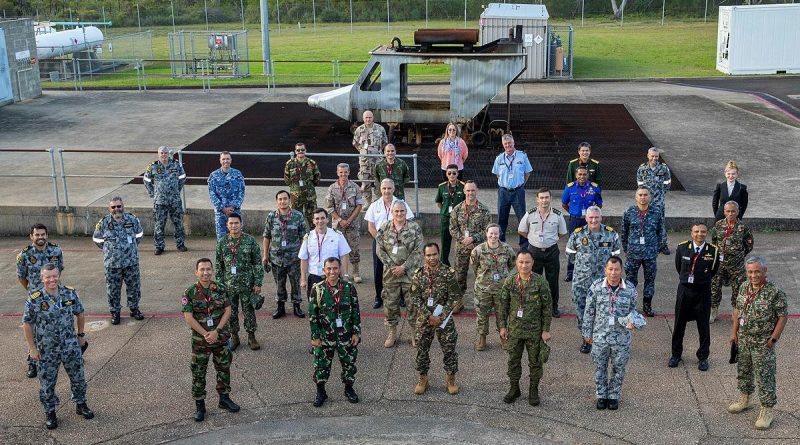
x,y
511,10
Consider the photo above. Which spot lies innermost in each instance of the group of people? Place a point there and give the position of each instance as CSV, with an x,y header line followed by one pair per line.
x,y
521,286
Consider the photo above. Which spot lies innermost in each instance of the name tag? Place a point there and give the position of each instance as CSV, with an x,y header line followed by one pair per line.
x,y
583,212
394,250
611,320
519,313
741,322
430,301
130,239
449,209
541,237
233,270
283,243
301,183
641,240
210,322
690,279
496,277
338,322
721,257
344,206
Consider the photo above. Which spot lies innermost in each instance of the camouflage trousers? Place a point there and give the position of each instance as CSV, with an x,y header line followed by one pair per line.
x,y
160,214
632,274
281,273
391,303
447,240
221,221
447,340
306,205
486,301
114,278
580,290
222,358
734,275
52,356
242,296
352,234
462,265
516,346
755,358
323,360
659,203
366,175
617,356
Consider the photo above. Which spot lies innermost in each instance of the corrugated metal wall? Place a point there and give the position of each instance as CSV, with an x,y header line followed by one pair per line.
x,y
497,28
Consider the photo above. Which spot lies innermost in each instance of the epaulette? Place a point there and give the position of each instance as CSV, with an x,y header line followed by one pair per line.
x,y
610,229
443,183
594,184
643,164
35,295
578,229
574,160
556,211
51,244
337,231
594,160
684,242
69,287
532,211
571,184
305,237
452,269
27,248
713,245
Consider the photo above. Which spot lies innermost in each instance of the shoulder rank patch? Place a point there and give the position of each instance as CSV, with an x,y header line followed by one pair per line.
x,y
571,184
684,242
595,161
594,184
610,229
556,211
578,229
36,295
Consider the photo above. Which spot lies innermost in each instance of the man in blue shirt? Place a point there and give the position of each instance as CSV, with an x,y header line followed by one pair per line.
x,y
577,197
226,191
512,169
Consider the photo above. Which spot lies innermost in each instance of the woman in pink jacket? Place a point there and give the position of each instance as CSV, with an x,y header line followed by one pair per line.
x,y
452,150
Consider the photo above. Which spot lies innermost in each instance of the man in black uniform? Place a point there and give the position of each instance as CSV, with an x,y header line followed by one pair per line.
x,y
696,262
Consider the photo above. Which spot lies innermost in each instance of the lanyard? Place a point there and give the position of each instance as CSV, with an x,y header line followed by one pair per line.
x,y
612,297
283,224
298,170
749,297
397,232
728,233
387,209
234,249
510,164
546,217
642,216
466,215
582,195
451,192
208,298
337,295
344,191
389,169
519,286
431,276
694,260
319,244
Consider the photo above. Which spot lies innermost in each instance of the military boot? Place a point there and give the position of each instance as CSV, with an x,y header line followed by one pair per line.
x,y
513,392
422,385
252,342
714,314
32,371
225,402
350,393
458,307
647,308
480,345
378,302
452,388
115,317
297,311
764,418
739,405
391,337
82,409
321,396
51,421
234,341
356,274
200,410
280,311
136,314
533,392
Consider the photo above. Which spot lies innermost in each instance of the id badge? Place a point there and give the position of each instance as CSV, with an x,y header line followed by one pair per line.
x,y
583,212
466,233
741,322
541,238
449,209
721,257
611,320
283,243
496,277
301,183
233,270
690,279
130,240
338,322
210,322
430,301
394,250
641,240
519,313
344,206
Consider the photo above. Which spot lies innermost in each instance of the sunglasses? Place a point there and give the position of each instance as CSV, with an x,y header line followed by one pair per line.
x,y
451,129
300,150
452,173
117,207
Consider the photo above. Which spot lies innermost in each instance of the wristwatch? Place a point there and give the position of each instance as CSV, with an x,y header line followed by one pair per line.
x,y
774,340
82,334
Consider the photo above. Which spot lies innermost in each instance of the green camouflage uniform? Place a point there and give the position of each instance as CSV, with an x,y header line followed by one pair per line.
x,y
323,314
491,267
734,244
398,249
249,273
399,174
430,288
756,322
449,197
475,222
204,304
526,331
301,177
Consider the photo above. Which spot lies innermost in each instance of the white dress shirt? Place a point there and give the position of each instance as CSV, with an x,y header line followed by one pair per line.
x,y
317,248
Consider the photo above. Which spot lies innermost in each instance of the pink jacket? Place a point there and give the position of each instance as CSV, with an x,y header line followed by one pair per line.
x,y
453,152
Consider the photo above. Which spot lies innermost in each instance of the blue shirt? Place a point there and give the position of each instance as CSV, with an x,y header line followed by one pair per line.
x,y
581,197
511,170
226,189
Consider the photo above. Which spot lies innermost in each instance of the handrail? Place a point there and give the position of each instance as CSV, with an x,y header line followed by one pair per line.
x,y
52,175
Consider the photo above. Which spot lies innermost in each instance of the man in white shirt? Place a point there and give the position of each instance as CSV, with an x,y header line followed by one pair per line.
x,y
318,245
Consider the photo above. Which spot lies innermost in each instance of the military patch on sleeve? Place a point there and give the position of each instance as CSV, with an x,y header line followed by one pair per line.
x,y
578,229
184,300
150,167
585,241
97,226
20,259
44,306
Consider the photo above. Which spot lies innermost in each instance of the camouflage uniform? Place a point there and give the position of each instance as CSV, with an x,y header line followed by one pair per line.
x,y
301,177
658,181
610,340
491,267
398,249
734,244
324,311
344,202
430,288
120,242
283,258
245,256
589,251
164,184
756,322
649,226
225,190
204,304
474,220
31,260
526,331
369,141
52,320
398,173
449,197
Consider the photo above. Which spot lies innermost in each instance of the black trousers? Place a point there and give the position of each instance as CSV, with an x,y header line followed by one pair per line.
x,y
377,272
311,280
547,260
693,303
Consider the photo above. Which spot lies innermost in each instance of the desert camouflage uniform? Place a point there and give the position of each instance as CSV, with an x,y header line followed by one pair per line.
x,y
164,184
398,249
323,313
239,285
120,244
430,288
491,267
475,221
369,141
283,259
734,244
301,177
343,202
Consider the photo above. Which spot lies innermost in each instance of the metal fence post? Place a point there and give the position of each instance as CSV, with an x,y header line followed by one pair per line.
x,y
183,189
416,182
64,180
144,80
53,174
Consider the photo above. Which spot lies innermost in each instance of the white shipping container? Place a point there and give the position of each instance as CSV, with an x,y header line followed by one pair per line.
x,y
498,18
760,39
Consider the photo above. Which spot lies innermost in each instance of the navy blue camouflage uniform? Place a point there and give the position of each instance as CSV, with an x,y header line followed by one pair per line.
x,y
643,236
164,184
225,190
577,198
120,244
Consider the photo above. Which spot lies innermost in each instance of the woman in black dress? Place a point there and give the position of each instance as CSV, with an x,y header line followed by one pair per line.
x,y
729,190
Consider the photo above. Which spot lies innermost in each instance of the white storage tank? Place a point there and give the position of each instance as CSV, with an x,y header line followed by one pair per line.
x,y
497,18
760,39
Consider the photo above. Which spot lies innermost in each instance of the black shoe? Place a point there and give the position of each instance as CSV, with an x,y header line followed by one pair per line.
x,y
32,371
568,277
513,393
321,396
52,422
586,348
297,311
350,393
159,251
673,362
280,311
115,318
601,403
378,303
182,248
85,346
556,313
703,365
648,311
613,404
136,314
402,301
225,402
200,411
83,410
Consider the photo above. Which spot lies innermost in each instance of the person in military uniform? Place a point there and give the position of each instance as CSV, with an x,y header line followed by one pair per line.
x,y
284,230
492,261
207,310
164,180
468,223
344,203
655,176
590,247
119,234
52,312
607,325
239,268
583,160
524,316
393,168
696,262
434,294
226,191
399,247
577,197
643,234
734,240
29,267
335,327
369,138
301,174
757,323
448,195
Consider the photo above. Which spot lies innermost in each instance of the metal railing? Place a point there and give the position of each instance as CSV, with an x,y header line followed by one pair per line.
x,y
52,175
